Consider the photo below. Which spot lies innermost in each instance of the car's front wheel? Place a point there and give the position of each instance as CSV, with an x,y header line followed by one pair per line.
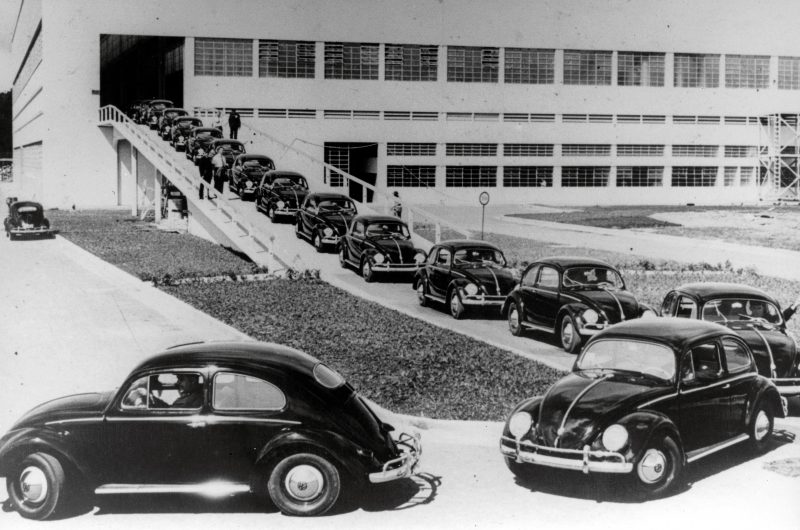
x,y
366,270
515,320
271,213
36,488
304,484
422,292
298,230
456,306
570,338
761,425
342,256
317,242
659,467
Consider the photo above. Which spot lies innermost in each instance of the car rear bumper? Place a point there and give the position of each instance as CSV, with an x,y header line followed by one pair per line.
x,y
584,460
30,231
402,466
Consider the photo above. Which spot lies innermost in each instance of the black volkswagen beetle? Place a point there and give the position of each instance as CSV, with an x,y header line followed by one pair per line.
x,y
754,315
199,141
166,120
181,128
644,399
463,274
379,243
323,219
25,218
571,297
280,194
246,174
212,419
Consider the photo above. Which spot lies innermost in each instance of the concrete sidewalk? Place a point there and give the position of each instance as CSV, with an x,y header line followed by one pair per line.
x,y
767,261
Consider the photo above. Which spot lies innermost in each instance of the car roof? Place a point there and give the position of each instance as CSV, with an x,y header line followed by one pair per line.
x,y
205,129
252,156
227,141
467,243
282,173
377,218
21,204
704,291
187,118
572,261
254,355
327,195
677,333
175,109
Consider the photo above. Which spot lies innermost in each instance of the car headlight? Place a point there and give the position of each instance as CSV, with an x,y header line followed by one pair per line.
x,y
647,313
471,289
615,437
590,316
281,205
419,257
379,258
327,231
520,424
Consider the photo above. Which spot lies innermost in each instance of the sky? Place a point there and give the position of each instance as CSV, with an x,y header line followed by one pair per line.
x,y
8,17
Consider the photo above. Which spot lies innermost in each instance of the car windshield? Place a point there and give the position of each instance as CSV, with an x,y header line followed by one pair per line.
x,y
479,257
336,204
725,310
232,148
257,163
206,134
592,278
395,230
625,355
293,181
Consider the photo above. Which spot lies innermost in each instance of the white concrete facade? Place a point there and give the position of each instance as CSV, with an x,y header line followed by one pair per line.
x,y
56,105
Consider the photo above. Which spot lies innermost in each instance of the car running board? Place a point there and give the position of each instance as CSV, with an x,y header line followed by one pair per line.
x,y
691,456
208,489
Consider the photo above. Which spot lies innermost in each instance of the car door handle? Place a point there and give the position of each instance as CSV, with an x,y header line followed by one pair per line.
x,y
196,424
726,386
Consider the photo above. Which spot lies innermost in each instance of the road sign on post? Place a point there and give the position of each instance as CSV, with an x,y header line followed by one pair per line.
x,y
483,198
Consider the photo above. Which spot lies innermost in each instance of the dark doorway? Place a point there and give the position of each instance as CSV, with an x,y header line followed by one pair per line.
x,y
358,159
136,67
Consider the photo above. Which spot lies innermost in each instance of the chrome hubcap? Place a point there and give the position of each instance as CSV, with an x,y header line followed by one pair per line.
x,y
317,241
652,466
513,320
761,425
33,484
366,270
567,333
304,482
454,304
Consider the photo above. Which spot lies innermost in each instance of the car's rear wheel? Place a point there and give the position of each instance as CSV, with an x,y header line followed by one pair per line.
x,y
570,338
366,270
659,467
457,309
317,242
422,292
36,487
515,320
304,484
761,425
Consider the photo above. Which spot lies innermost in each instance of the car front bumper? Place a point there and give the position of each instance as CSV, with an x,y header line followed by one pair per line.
x,y
584,460
402,466
787,386
286,212
482,300
395,267
30,231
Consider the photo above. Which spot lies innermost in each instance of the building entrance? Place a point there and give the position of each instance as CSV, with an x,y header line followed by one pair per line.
x,y
358,159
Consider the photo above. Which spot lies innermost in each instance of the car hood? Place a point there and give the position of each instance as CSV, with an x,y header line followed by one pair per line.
x,y
66,408
609,302
764,341
290,196
398,250
496,281
337,220
593,401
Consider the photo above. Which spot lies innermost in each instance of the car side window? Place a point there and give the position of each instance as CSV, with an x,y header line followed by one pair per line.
x,y
687,308
529,280
702,363
443,258
245,392
666,306
548,279
165,390
736,356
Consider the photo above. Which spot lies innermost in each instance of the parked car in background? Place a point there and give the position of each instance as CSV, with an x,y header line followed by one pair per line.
x,y
135,109
181,129
214,419
246,173
280,193
154,109
168,116
230,149
754,315
379,244
199,141
323,219
25,219
465,274
571,297
140,109
644,399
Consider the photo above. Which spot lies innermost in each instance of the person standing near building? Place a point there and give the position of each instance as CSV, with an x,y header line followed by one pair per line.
x,y
204,165
218,120
397,205
234,122
218,162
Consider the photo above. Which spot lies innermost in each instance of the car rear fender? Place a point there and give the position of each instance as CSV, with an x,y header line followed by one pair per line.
x,y
767,392
645,426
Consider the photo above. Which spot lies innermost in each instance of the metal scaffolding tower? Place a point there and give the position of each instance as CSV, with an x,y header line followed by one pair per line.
x,y
779,157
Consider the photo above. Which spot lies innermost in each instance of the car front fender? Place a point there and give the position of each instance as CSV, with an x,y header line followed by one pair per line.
x,y
513,296
644,426
16,445
766,391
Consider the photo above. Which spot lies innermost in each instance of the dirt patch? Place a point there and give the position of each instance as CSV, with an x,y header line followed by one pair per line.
x,y
789,467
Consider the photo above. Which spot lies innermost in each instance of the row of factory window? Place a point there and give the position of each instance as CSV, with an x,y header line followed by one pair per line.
x,y
477,64
406,176
511,117
549,150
